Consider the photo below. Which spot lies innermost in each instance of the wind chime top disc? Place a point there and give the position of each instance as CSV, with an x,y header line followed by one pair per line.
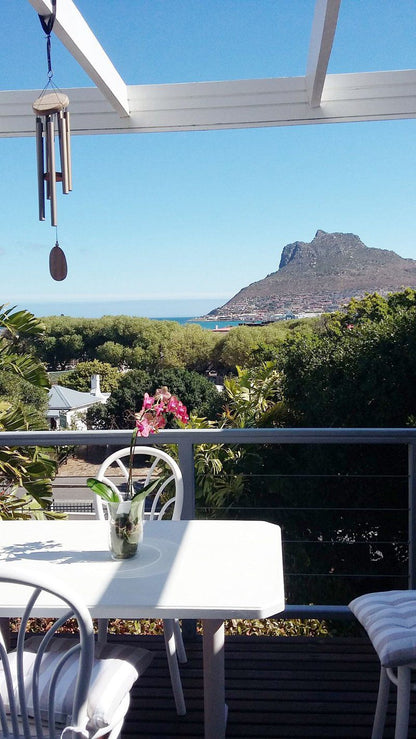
x,y
53,102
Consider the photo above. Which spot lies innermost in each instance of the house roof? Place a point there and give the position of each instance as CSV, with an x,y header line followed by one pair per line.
x,y
64,399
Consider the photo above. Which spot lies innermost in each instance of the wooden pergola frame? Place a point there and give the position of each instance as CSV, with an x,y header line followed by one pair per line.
x,y
114,107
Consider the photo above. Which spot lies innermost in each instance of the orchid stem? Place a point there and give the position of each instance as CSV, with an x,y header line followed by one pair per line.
x,y
131,457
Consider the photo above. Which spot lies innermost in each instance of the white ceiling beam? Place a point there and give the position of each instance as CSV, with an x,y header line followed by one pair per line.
x,y
71,28
203,106
323,31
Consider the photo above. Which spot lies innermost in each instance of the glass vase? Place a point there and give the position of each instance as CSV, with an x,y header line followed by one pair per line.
x,y
126,528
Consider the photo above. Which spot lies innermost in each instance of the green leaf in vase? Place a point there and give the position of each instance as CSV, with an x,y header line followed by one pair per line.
x,y
147,489
103,490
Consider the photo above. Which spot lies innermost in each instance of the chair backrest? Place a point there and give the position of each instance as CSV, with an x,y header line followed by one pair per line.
x,y
39,688
167,501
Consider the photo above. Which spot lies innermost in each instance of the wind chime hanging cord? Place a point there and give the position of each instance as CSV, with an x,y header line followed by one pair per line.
x,y
47,22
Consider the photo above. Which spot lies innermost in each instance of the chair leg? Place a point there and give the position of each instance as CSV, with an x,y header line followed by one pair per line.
x,y
5,633
403,702
168,632
175,650
180,647
381,707
102,634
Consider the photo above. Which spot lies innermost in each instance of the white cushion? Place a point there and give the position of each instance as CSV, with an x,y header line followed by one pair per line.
x,y
390,621
112,677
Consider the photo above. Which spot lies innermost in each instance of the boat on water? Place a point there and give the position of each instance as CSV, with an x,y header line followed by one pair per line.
x,y
221,330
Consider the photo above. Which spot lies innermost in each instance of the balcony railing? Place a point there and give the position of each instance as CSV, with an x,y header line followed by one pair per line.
x,y
186,440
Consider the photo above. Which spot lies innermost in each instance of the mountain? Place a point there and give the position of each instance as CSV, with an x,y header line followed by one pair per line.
x,y
321,276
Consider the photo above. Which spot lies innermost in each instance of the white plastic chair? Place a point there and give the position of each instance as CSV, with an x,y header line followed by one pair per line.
x,y
55,687
389,619
162,505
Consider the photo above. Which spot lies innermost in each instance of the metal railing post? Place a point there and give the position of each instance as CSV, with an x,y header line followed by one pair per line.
x,y
412,515
186,463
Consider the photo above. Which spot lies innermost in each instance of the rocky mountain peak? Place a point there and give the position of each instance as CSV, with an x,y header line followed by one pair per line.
x,y
320,276
323,246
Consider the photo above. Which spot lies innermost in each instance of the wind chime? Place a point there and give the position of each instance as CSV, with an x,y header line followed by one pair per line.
x,y
52,117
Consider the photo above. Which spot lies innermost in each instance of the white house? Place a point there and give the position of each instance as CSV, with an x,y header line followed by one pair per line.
x,y
67,408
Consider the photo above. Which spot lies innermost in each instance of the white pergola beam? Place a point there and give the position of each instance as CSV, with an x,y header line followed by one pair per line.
x,y
203,106
74,32
323,31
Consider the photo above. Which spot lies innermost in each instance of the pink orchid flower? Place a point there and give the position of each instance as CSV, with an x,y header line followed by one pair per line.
x,y
147,401
144,428
163,393
155,409
173,404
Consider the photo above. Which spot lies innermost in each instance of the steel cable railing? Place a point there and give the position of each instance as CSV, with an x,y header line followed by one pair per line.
x,y
400,550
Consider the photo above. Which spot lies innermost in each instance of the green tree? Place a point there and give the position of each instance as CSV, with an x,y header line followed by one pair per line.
x,y
236,347
356,371
402,301
30,468
373,307
359,377
25,394
112,353
142,343
15,328
224,474
59,343
80,377
189,347
198,394
254,397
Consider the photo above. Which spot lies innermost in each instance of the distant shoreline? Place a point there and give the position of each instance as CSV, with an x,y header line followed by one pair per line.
x,y
155,308
191,313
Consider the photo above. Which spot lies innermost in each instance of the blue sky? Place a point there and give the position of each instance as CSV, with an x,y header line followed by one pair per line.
x,y
197,216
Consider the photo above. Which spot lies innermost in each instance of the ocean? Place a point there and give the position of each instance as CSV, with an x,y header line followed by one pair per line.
x,y
205,324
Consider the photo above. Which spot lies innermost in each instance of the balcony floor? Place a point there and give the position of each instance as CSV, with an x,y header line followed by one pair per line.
x,y
275,687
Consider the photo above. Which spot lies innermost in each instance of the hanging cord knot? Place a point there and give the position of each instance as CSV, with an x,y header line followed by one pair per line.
x,y
47,22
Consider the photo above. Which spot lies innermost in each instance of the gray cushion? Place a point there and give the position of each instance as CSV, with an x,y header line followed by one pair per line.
x,y
390,621
113,675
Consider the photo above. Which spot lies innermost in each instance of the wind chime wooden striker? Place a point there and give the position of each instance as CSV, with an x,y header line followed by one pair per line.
x,y
52,117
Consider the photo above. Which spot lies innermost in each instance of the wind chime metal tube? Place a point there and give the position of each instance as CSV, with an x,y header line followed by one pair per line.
x,y
51,174
68,147
40,159
63,141
48,108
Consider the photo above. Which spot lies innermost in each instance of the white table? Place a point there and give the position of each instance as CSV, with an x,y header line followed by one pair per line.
x,y
209,570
